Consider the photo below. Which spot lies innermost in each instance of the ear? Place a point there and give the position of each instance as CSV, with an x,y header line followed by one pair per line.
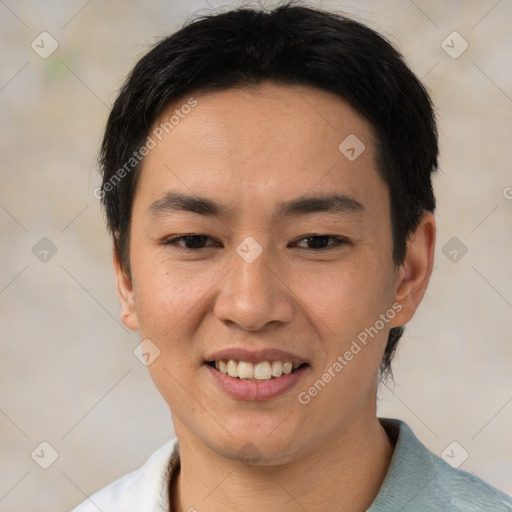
x,y
414,273
125,293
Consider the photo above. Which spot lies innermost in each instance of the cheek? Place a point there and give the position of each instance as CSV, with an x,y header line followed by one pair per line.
x,y
171,303
345,308
169,297
346,300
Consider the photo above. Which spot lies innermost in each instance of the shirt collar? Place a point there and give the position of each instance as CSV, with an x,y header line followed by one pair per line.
x,y
411,470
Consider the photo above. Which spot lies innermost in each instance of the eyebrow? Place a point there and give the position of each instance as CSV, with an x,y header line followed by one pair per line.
x,y
331,203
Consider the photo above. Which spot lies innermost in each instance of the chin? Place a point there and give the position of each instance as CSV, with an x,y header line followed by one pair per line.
x,y
258,445
257,454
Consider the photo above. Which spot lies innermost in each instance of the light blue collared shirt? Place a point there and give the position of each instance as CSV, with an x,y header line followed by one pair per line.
x,y
420,481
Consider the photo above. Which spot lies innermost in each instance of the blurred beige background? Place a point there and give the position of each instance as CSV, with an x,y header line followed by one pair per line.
x,y
68,375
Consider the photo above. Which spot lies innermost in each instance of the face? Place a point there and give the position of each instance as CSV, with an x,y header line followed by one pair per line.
x,y
254,238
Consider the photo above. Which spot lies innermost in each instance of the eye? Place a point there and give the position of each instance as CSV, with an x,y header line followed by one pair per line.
x,y
190,242
321,242
196,242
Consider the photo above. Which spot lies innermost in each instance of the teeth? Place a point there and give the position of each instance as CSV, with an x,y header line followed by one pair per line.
x,y
264,370
232,368
246,370
277,369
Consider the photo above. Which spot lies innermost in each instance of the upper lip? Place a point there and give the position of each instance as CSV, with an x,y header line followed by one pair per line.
x,y
255,356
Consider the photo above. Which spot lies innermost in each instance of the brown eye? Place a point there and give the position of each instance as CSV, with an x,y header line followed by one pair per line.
x,y
190,242
321,242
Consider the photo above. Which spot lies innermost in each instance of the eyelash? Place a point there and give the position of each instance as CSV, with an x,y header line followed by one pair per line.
x,y
173,242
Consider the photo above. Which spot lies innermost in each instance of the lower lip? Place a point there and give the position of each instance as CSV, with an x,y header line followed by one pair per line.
x,y
253,390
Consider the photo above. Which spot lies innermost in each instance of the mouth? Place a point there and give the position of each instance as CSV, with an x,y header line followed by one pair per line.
x,y
255,376
255,372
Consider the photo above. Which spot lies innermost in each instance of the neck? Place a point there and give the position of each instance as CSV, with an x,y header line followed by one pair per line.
x,y
350,469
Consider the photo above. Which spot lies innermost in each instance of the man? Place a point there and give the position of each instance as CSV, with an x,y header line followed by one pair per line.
x,y
267,183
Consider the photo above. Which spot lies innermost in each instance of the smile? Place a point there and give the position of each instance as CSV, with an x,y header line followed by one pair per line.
x,y
255,381
261,371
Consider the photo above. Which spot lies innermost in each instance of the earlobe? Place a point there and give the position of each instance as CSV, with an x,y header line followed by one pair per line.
x,y
125,293
414,273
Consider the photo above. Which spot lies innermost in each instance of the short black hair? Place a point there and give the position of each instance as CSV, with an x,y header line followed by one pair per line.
x,y
288,44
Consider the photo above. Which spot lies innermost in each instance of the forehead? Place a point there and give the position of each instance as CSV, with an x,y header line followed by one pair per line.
x,y
270,141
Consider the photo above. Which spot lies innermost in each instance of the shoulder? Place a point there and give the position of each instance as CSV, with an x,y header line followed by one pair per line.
x,y
462,491
145,489
419,480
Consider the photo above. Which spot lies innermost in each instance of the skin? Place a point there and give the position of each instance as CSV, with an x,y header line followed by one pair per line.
x,y
249,149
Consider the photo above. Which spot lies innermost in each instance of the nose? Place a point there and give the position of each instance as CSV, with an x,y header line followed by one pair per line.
x,y
255,294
